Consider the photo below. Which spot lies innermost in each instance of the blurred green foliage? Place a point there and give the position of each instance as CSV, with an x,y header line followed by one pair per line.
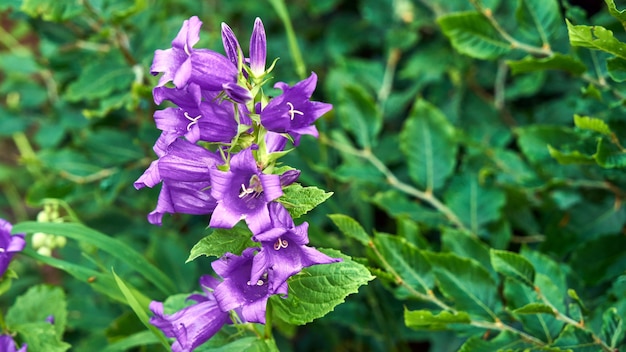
x,y
478,145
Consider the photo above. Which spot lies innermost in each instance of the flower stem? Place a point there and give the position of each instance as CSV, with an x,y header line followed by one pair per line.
x,y
296,54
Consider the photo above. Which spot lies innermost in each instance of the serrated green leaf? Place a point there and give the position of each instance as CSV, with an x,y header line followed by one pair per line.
x,y
592,124
613,329
37,304
573,157
407,261
616,67
597,38
427,141
539,18
534,308
100,78
40,336
426,320
575,339
300,200
220,241
609,156
471,34
475,205
513,265
350,228
318,289
555,62
113,246
465,282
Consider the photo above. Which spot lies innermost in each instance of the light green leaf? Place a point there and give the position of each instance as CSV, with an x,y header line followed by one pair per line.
x,y
41,336
113,246
555,62
426,320
619,14
616,68
534,139
474,204
300,200
513,265
613,329
52,10
139,304
609,156
220,241
350,228
38,303
539,18
592,124
534,308
465,282
597,38
427,140
471,34
318,289
407,261
573,157
142,338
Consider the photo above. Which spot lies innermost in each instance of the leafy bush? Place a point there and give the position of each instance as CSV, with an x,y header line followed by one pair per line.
x,y
475,154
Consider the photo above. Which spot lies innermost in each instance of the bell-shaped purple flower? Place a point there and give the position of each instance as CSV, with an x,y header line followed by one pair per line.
x,y
243,192
8,345
239,292
292,112
195,324
284,247
9,245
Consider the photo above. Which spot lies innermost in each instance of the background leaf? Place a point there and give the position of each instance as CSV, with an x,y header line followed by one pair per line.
x,y
471,34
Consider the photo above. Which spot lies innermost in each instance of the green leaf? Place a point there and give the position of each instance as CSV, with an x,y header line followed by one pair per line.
x,y
471,34
592,124
505,341
426,320
575,339
427,141
318,289
38,303
555,62
613,329
113,246
359,114
513,265
100,78
609,156
534,308
52,10
597,38
474,204
616,68
220,241
350,228
41,336
619,14
534,139
397,204
300,200
573,157
407,261
142,338
463,244
246,344
139,304
465,282
539,18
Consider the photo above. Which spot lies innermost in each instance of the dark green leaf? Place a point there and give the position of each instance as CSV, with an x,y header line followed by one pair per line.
x,y
534,308
613,329
555,62
426,320
609,156
617,69
100,78
513,265
540,18
575,339
427,141
350,228
471,34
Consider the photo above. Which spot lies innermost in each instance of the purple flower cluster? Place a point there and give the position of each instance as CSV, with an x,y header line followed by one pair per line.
x,y
9,245
216,155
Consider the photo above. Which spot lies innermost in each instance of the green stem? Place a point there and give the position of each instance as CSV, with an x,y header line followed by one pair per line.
x,y
296,54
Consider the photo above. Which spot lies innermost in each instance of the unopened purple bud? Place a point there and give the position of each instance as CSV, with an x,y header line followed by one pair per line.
x,y
258,48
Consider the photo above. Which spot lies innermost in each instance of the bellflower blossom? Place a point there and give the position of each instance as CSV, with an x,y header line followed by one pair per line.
x,y
258,47
8,345
9,245
195,324
292,112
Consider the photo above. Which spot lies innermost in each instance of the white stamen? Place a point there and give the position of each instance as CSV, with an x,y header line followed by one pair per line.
x,y
187,50
280,243
194,120
293,112
259,283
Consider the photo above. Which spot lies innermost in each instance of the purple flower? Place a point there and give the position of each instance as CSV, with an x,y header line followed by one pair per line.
x,y
243,192
195,324
8,345
239,292
9,245
182,64
258,47
292,112
185,172
284,247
